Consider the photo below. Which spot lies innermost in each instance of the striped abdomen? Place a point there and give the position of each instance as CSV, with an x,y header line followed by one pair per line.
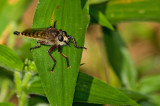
x,y
32,34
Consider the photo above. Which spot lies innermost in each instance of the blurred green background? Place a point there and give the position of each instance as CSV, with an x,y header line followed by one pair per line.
x,y
139,36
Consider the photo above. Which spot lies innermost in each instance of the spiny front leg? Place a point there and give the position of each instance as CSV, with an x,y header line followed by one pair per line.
x,y
63,56
49,53
75,44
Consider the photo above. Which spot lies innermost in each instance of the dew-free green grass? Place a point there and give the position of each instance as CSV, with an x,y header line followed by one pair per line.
x,y
65,86
59,86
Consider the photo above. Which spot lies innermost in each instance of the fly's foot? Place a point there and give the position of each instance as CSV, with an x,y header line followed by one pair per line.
x,y
68,67
85,48
82,64
30,49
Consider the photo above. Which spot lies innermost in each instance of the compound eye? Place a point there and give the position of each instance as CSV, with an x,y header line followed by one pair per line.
x,y
60,38
65,33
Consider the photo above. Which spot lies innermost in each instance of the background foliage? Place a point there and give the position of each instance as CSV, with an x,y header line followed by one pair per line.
x,y
125,59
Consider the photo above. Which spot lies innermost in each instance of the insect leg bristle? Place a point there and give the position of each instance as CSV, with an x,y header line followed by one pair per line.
x,y
16,33
75,44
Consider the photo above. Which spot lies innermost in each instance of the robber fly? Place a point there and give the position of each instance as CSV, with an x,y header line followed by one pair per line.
x,y
50,36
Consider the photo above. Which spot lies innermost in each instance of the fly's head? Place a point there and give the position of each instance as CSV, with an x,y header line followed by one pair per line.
x,y
62,38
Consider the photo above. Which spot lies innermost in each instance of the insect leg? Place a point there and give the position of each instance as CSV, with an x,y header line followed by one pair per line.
x,y
63,56
55,24
38,44
49,53
75,44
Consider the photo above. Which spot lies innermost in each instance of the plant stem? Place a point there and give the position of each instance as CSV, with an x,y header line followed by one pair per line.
x,y
23,99
20,86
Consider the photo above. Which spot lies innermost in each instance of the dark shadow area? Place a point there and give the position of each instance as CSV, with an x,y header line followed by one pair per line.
x,y
94,10
100,7
4,73
83,2
34,100
85,104
83,87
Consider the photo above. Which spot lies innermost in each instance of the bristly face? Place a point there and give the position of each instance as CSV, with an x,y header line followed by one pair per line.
x,y
62,38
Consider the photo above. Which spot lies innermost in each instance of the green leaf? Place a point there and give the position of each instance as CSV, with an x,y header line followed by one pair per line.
x,y
96,1
10,12
155,99
3,3
73,17
149,84
137,96
130,10
85,104
99,17
35,86
89,90
146,103
9,59
119,58
92,90
6,104
37,100
17,79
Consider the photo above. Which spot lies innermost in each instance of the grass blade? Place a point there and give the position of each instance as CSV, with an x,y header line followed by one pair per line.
x,y
119,58
92,90
134,10
9,59
152,81
59,86
6,104
100,18
89,90
137,96
85,104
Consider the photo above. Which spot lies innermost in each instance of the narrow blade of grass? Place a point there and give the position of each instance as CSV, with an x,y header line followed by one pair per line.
x,y
89,90
137,96
100,18
134,10
119,58
152,81
85,104
92,90
9,59
59,86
